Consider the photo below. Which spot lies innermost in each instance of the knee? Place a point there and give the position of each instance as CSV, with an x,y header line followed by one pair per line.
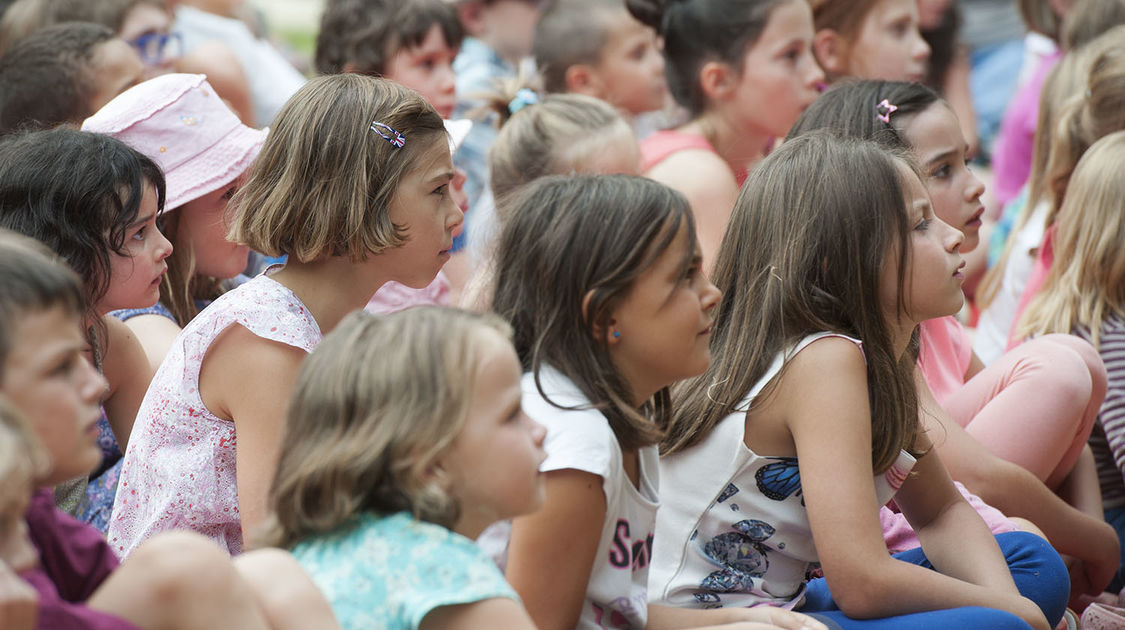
x,y
182,567
1092,363
1061,367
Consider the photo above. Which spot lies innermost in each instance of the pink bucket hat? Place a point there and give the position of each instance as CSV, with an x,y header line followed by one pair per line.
x,y
179,122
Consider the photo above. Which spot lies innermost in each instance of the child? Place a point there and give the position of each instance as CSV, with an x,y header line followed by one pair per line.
x,y
352,185
744,70
595,47
62,74
1014,429
869,39
203,149
627,314
796,413
405,439
94,201
48,381
1082,294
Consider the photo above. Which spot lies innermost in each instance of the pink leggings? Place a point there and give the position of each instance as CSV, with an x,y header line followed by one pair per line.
x,y
1035,405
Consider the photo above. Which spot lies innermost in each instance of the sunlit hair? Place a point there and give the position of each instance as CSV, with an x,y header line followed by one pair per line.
x,y
851,109
698,31
1088,19
32,280
569,254
323,183
1041,18
362,35
1086,283
375,405
77,192
22,464
571,33
804,253
555,136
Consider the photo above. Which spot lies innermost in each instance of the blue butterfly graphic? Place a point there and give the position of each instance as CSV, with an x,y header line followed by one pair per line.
x,y
780,480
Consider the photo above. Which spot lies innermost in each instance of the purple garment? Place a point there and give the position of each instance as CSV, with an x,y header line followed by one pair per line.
x,y
74,560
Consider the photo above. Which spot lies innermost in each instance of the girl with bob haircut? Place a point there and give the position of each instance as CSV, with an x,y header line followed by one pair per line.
x,y
744,70
177,581
405,433
94,201
781,453
352,186
1017,427
1084,294
627,315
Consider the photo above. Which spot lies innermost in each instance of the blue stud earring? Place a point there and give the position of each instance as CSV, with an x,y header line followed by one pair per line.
x,y
617,334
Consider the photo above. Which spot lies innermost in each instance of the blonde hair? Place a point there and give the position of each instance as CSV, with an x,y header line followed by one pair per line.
x,y
1086,283
323,183
374,406
22,461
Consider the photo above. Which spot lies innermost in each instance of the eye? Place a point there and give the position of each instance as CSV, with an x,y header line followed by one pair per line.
x,y
140,234
923,225
941,172
229,193
442,190
638,52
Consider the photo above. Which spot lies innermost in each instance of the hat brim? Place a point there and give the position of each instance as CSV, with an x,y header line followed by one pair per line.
x,y
214,168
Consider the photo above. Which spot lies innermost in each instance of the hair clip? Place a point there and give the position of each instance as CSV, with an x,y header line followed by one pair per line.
x,y
396,139
523,98
884,110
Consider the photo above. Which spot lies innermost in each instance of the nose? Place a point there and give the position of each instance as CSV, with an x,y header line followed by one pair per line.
x,y
92,385
448,79
710,295
814,74
952,238
538,432
975,188
163,246
921,50
455,217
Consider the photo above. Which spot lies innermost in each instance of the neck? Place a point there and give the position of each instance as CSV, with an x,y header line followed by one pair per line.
x,y
331,287
740,148
901,331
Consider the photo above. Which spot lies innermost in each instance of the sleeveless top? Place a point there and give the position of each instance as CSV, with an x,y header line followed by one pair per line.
x,y
179,469
662,144
732,529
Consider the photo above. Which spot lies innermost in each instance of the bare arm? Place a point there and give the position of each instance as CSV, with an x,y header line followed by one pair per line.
x,y
761,618
705,179
128,372
156,334
551,552
248,379
498,612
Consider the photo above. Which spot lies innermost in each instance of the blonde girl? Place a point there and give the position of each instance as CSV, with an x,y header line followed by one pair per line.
x,y
405,439
1082,295
179,122
626,313
352,186
176,581
781,453
744,70
1014,429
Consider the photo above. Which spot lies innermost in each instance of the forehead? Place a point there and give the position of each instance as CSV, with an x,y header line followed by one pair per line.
x,y
39,334
885,11
433,41
142,19
786,21
933,129
433,159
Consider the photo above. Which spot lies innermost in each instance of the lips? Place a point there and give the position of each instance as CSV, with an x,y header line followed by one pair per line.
x,y
975,219
957,272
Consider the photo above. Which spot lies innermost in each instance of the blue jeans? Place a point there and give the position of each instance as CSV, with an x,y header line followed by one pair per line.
x,y
1039,574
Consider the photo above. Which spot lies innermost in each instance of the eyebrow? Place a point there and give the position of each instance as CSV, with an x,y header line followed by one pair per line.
x,y
141,221
443,176
942,156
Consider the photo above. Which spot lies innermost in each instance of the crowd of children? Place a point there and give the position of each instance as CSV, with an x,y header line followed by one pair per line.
x,y
671,319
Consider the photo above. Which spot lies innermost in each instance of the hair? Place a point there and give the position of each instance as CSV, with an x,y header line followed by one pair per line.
x,y
552,136
593,235
850,108
323,182
571,33
25,17
945,47
182,286
77,192
380,399
698,31
367,33
1086,282
33,279
846,17
45,79
1041,18
1088,19
22,462
803,253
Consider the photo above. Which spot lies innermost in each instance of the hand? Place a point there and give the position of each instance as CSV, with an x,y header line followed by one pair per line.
x,y
19,603
769,617
1099,568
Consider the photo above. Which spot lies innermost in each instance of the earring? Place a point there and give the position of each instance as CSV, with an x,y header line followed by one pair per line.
x,y
617,334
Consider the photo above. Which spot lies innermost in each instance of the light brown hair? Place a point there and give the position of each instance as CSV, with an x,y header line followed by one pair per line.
x,y
323,183
378,401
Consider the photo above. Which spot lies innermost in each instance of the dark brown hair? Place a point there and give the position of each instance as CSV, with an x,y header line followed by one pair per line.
x,y
367,33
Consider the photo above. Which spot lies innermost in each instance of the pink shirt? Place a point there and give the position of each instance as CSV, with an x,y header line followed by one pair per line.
x,y
1011,158
944,356
662,144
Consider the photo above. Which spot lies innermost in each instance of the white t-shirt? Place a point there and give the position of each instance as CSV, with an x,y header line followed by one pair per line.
x,y
581,439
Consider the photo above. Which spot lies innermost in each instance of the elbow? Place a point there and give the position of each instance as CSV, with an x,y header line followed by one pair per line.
x,y
860,595
992,479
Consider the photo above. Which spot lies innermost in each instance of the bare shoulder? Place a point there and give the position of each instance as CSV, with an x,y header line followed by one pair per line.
x,y
497,612
124,358
695,171
240,366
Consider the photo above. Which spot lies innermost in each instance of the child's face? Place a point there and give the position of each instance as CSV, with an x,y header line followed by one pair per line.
x,y
114,67
134,278
888,45
428,70
424,205
48,378
932,282
661,332
494,462
780,76
203,227
630,72
508,27
940,148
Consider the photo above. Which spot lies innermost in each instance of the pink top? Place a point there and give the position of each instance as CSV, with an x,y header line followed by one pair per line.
x,y
659,146
179,469
1011,158
944,356
393,296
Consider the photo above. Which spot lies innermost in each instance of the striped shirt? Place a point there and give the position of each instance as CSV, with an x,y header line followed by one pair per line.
x,y
1107,439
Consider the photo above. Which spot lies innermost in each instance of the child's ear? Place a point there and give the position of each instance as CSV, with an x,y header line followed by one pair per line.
x,y
831,52
717,79
583,79
603,332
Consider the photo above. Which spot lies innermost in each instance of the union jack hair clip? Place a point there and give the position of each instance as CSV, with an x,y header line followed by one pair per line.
x,y
884,110
396,139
